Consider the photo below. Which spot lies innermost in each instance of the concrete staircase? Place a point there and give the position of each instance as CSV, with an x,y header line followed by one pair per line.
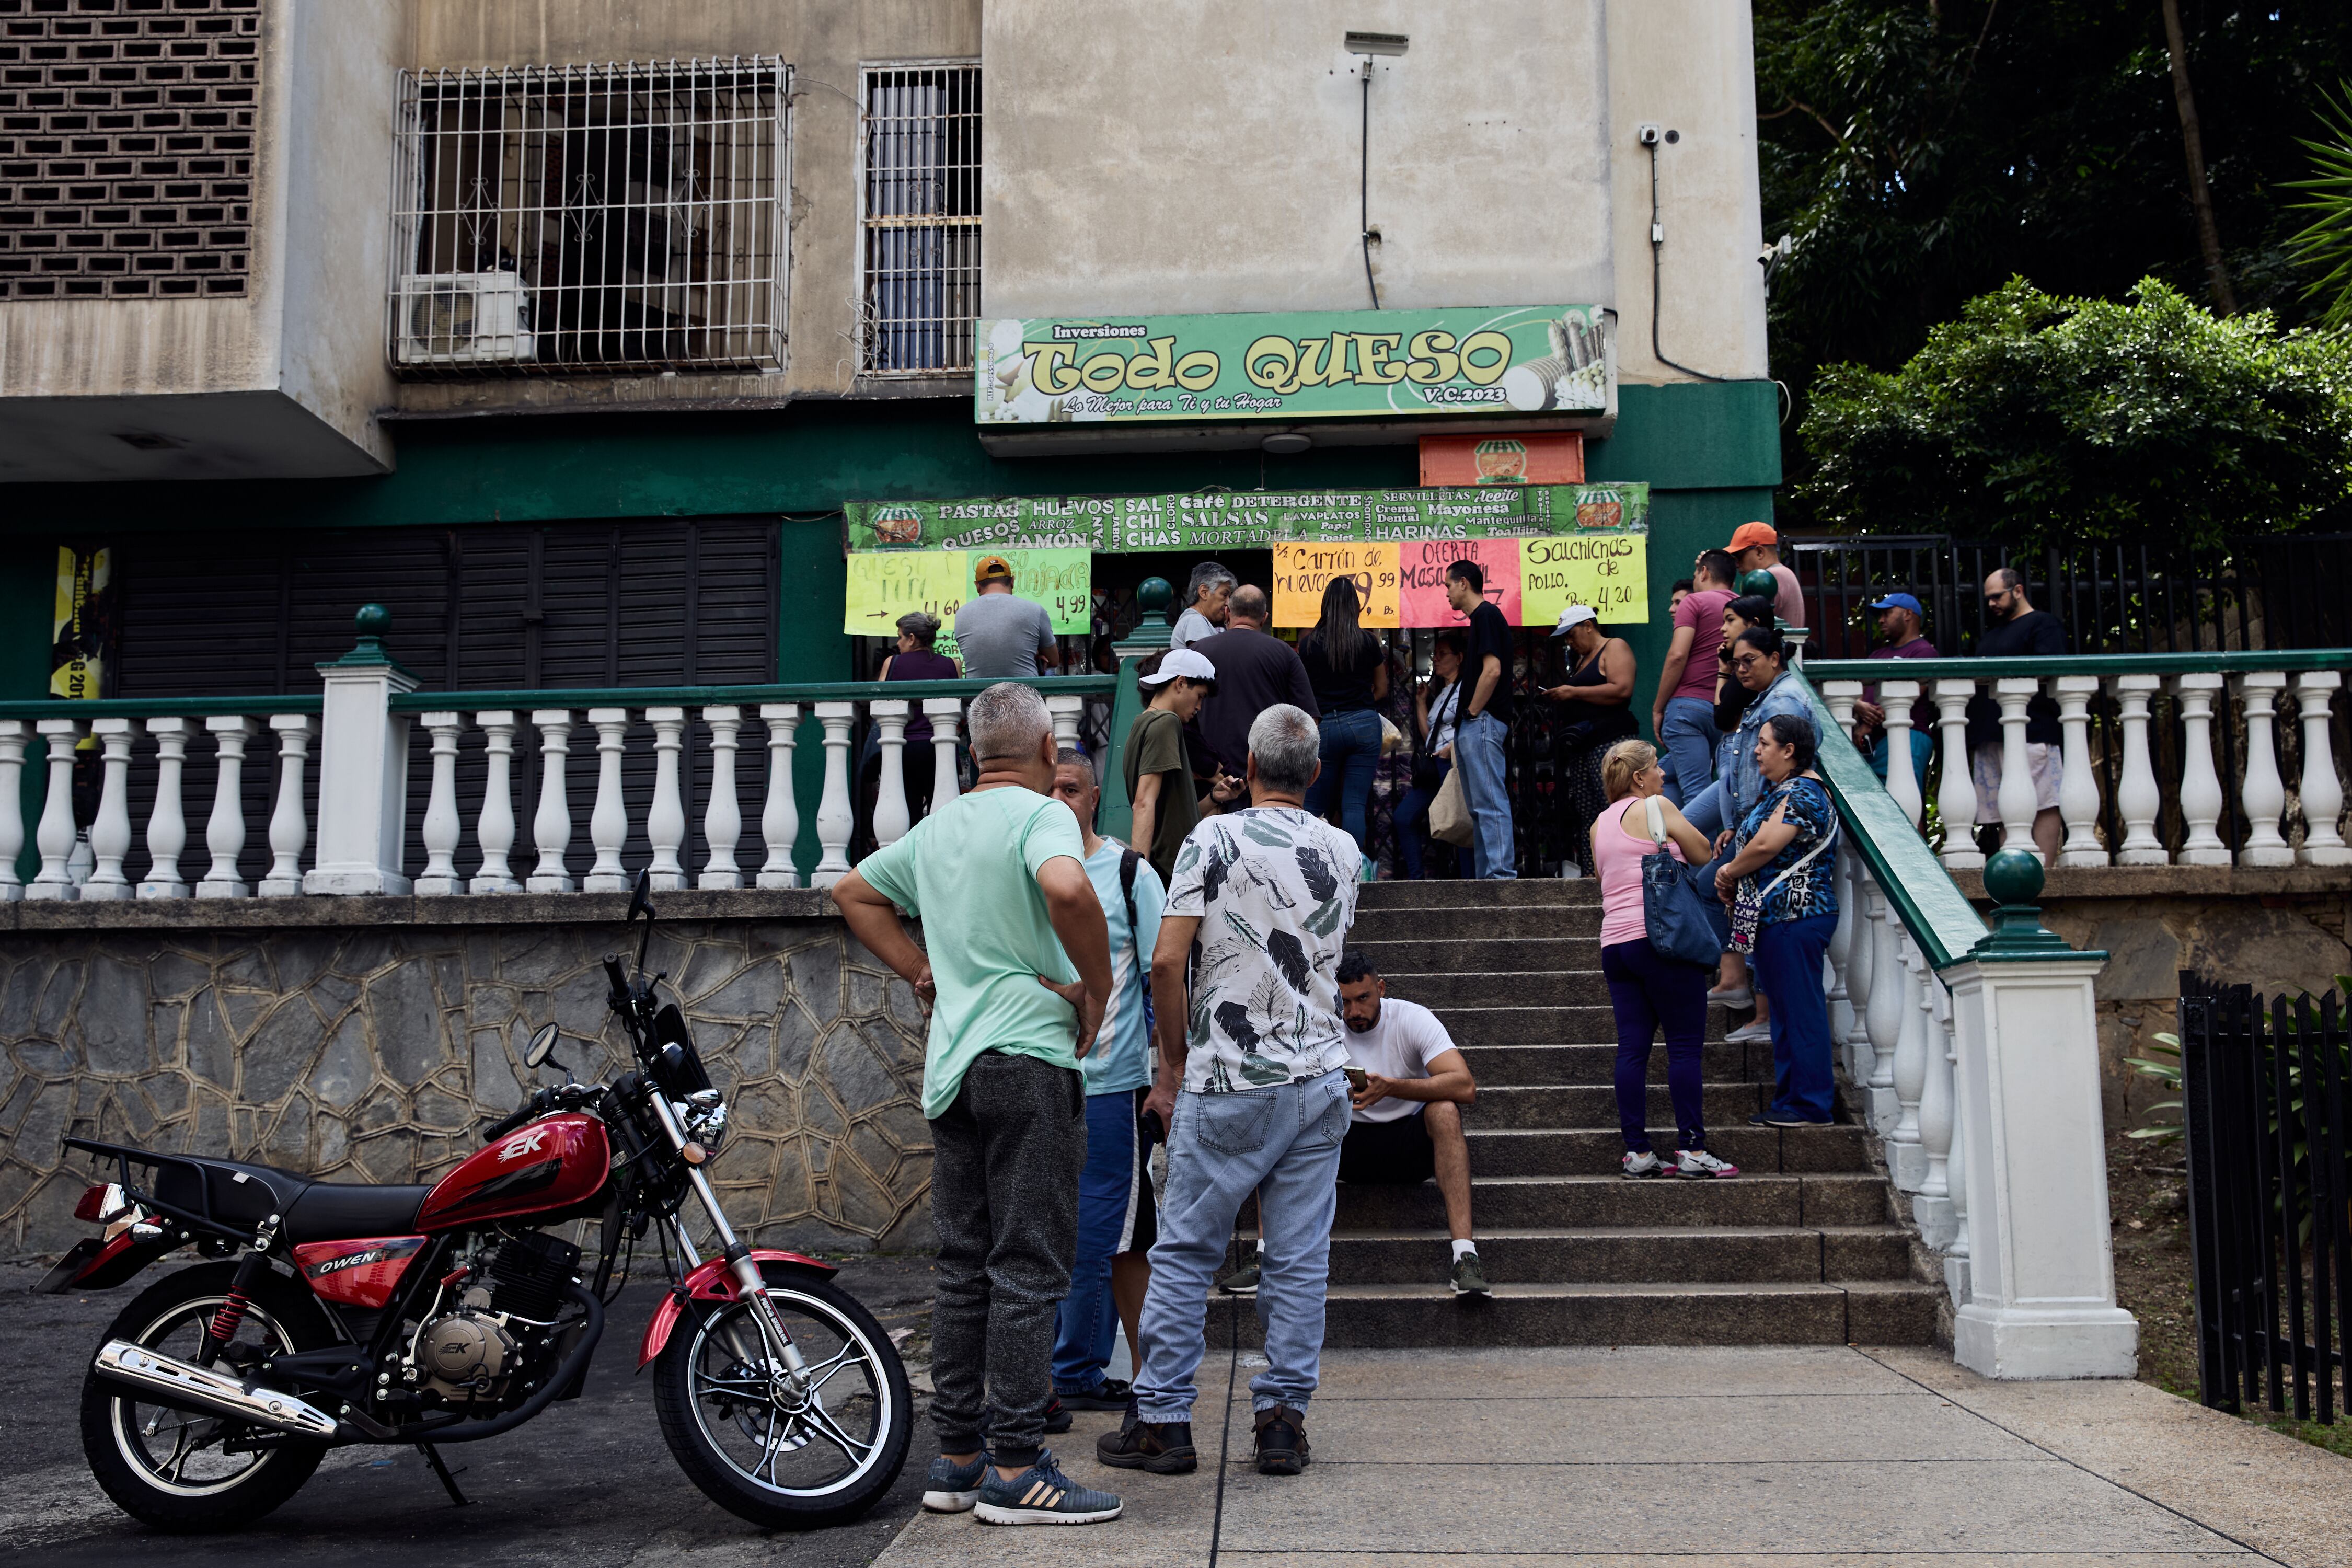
x,y
1800,1248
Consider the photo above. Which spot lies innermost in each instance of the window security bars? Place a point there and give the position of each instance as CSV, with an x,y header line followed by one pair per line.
x,y
919,218
126,147
569,218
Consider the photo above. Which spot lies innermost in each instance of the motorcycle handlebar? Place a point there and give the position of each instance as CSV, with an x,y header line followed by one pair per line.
x,y
509,1122
619,977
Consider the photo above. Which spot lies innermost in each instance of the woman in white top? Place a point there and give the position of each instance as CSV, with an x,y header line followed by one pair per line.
x,y
1434,709
1648,990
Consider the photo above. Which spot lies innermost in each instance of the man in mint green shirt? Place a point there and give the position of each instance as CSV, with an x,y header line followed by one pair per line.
x,y
1017,973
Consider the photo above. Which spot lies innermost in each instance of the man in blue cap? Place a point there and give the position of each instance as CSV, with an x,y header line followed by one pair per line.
x,y
1900,619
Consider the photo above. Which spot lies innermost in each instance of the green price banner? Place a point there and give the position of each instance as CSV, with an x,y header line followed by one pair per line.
x,y
1246,520
1287,366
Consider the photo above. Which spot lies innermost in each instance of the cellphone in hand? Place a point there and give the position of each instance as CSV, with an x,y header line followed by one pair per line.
x,y
1356,1082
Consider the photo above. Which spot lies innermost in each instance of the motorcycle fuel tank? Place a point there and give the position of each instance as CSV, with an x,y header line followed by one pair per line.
x,y
553,1163
357,1273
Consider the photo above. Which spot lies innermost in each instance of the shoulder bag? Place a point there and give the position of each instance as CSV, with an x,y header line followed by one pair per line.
x,y
1674,912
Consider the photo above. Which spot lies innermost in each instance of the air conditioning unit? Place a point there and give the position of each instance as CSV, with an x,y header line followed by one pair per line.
x,y
464,318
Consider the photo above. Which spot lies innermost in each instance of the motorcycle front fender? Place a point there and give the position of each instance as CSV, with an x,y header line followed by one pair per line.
x,y
713,1282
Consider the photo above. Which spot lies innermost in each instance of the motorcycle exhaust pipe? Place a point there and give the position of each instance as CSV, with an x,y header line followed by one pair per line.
x,y
214,1392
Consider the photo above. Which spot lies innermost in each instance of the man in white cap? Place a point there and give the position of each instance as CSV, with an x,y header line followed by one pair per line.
x,y
1159,778
1599,692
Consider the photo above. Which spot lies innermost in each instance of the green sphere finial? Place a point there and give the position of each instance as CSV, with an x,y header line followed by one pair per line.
x,y
1759,585
1156,597
2014,877
372,621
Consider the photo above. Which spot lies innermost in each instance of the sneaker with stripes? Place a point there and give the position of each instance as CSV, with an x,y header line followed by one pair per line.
x,y
1042,1495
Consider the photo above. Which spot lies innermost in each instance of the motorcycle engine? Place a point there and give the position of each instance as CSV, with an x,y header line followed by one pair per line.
x,y
465,1355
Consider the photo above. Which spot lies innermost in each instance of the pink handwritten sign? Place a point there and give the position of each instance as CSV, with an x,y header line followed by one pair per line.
x,y
1422,570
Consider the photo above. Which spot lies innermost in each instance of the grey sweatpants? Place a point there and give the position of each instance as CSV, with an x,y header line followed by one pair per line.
x,y
1004,1194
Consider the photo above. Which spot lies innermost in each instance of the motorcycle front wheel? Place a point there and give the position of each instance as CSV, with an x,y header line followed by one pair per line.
x,y
786,1455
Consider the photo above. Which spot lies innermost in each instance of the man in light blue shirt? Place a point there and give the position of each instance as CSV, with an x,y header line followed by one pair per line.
x,y
1116,1219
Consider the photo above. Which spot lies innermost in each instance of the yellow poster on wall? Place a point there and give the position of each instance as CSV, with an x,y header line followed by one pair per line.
x,y
1610,571
82,628
1302,571
882,587
1061,580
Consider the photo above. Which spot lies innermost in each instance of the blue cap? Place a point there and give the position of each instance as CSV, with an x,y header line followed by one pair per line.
x,y
1897,601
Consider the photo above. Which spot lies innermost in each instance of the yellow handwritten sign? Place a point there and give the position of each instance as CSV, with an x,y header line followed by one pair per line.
x,y
1610,571
885,586
1301,572
1061,580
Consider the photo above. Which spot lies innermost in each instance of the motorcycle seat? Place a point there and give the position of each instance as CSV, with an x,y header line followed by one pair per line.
x,y
336,1211
240,1194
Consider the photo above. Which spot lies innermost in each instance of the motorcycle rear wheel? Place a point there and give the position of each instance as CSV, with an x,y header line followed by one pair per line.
x,y
781,1460
167,1468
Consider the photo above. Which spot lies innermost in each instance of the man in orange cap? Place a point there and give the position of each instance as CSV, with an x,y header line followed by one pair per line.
x,y
1001,636
1758,549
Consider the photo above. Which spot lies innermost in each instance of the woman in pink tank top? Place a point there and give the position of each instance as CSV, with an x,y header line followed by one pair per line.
x,y
1647,990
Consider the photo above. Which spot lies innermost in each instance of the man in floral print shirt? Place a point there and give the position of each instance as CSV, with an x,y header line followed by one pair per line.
x,y
1246,995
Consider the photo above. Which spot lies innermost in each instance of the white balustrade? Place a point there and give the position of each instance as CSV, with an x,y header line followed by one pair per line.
x,y
2200,783
440,879
1888,997
722,815
167,822
946,714
2017,798
494,828
1862,946
780,817
550,828
2138,798
1955,794
2078,784
1839,697
891,817
608,819
665,821
13,735
224,829
835,818
1896,697
1906,1159
1064,711
1840,950
110,833
2322,794
2263,793
1931,1206
1956,1170
289,823
56,834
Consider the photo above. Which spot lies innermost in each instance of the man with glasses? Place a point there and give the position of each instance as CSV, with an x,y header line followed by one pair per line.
x,y
2015,629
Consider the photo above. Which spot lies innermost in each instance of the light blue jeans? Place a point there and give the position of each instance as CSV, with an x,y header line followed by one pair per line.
x,y
1284,1145
1478,753
1687,734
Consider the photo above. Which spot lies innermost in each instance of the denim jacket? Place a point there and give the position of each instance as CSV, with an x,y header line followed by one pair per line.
x,y
1743,781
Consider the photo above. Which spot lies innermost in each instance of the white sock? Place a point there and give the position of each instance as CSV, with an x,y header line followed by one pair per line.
x,y
1462,1249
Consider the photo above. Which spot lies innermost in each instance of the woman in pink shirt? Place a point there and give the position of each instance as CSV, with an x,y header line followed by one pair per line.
x,y
1647,990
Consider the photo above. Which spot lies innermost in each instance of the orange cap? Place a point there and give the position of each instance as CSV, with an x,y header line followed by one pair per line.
x,y
1748,535
991,569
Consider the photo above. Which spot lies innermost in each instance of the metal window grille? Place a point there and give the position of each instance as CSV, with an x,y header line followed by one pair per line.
x,y
126,147
567,218
919,217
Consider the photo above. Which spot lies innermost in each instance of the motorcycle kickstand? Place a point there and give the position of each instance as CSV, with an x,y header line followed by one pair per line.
x,y
433,1457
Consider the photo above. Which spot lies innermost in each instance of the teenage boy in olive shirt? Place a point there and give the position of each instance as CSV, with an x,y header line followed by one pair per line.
x,y
1018,973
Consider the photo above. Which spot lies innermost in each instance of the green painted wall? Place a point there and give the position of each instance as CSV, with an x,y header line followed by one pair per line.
x,y
28,605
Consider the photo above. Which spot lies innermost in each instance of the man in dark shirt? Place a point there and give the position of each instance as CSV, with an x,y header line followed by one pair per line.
x,y
1255,670
1486,720
2018,630
1900,618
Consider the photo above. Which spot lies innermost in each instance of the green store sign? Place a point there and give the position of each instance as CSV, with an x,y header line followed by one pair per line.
x,y
1245,520
1287,366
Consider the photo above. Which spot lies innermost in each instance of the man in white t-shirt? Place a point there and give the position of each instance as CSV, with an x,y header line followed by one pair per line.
x,y
1407,1122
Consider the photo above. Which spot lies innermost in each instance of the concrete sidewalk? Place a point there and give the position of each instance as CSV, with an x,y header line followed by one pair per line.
x,y
1703,1456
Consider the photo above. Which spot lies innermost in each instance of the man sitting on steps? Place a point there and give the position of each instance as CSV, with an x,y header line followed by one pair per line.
x,y
1407,1125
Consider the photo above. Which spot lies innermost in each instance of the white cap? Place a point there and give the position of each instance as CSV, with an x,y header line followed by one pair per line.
x,y
1575,615
1181,661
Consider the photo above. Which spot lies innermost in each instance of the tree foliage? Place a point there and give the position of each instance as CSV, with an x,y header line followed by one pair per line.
x,y
2037,417
2325,249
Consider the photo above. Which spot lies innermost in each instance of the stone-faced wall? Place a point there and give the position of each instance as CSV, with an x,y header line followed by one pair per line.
x,y
365,1039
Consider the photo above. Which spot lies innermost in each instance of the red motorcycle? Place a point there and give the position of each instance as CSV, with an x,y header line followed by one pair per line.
x,y
334,1313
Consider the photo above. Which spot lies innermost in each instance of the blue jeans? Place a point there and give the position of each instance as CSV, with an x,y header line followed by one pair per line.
x,y
1478,749
1788,964
1086,1322
1709,810
1413,822
1350,751
1281,1144
1687,734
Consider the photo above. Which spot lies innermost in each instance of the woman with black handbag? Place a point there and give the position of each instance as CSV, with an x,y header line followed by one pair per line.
x,y
1434,710
1599,695
1651,985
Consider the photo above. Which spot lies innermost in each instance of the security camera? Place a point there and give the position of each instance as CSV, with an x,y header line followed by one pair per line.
x,y
1771,257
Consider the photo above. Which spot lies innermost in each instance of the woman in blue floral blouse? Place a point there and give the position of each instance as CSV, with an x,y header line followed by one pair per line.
x,y
1783,897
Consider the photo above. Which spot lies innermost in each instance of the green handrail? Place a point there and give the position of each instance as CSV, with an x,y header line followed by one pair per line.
x,y
1117,813
1934,910
575,698
157,707
2101,664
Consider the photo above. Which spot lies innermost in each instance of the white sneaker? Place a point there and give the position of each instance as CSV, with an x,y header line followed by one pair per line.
x,y
1750,1034
1699,1162
1645,1163
1737,996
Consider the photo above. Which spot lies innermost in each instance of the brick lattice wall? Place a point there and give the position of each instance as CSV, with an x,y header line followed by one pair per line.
x,y
126,146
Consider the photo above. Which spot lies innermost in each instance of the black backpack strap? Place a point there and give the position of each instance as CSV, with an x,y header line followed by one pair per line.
x,y
1127,861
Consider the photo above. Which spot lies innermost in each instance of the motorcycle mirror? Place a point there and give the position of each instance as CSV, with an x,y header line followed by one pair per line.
x,y
641,904
541,1049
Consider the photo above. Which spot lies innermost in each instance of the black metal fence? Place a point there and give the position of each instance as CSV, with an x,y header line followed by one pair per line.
x,y
2274,592
2266,1099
